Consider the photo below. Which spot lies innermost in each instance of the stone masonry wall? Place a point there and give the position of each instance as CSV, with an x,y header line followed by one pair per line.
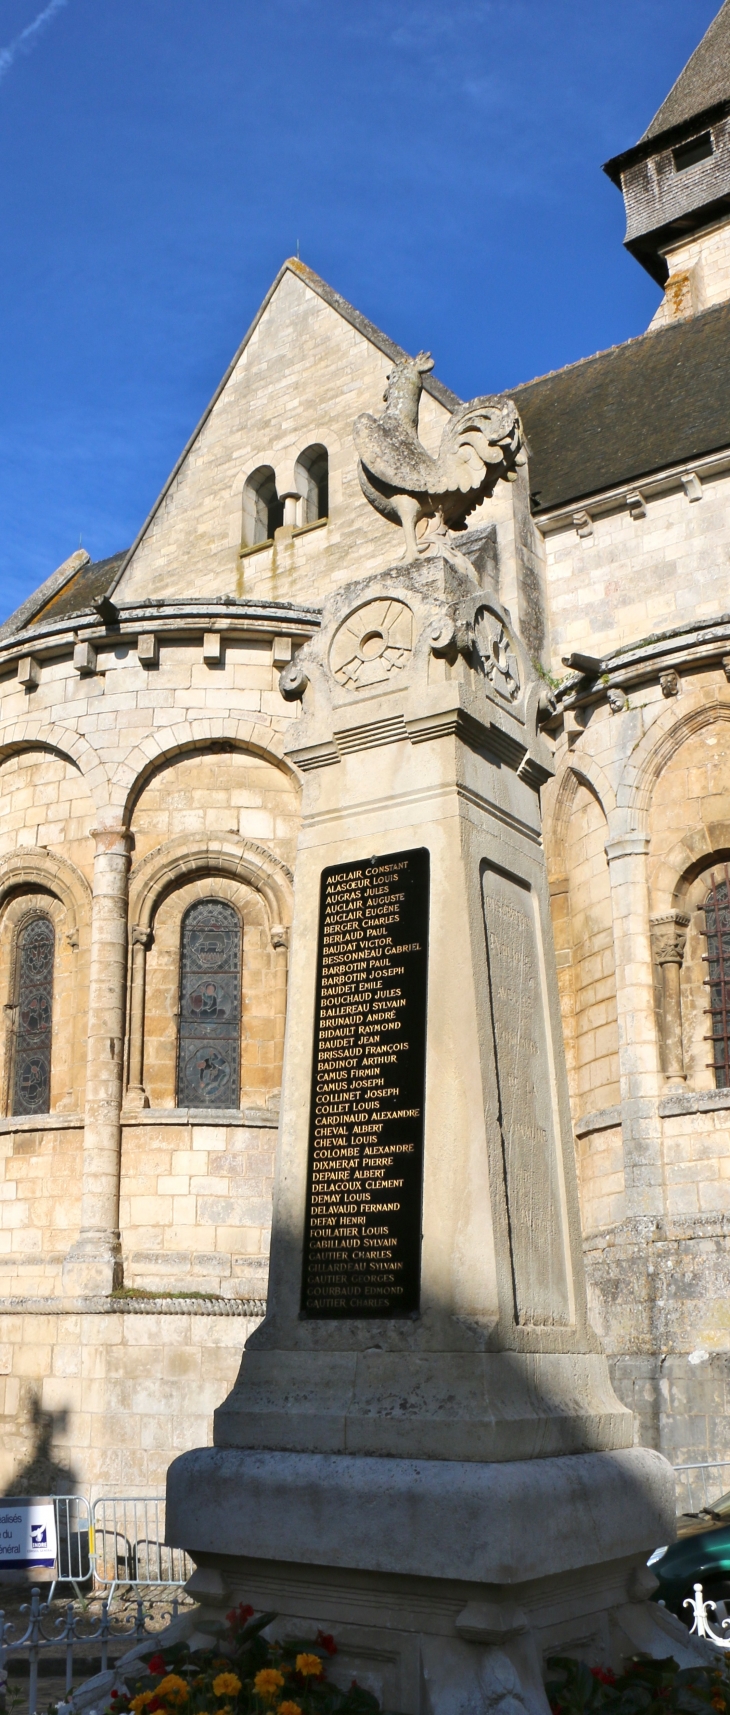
x,y
633,577
100,1403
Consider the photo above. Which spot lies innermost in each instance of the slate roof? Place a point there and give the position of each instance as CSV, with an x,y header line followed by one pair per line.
x,y
660,400
704,81
74,596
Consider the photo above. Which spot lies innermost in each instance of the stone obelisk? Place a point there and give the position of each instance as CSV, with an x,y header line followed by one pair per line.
x,y
423,1453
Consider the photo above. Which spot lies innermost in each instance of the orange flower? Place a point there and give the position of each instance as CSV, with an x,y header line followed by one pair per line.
x,y
267,1682
288,1708
139,1703
226,1685
309,1666
173,1689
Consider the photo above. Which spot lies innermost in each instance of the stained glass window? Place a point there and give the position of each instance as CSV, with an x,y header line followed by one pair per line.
x,y
210,1007
717,930
34,1018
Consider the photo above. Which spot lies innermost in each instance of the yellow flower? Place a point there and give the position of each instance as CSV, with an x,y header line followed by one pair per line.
x,y
310,1666
267,1682
226,1685
173,1689
139,1703
718,1701
288,1708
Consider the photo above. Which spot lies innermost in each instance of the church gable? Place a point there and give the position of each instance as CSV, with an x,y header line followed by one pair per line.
x,y
266,501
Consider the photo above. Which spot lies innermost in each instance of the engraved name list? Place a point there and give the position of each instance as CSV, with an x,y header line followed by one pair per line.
x,y
362,1252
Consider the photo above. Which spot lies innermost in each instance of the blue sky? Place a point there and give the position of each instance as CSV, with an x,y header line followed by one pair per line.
x,y
438,161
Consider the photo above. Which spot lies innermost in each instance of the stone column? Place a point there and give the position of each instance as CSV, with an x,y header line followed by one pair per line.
x,y
93,1264
669,934
280,943
639,1069
292,503
136,1094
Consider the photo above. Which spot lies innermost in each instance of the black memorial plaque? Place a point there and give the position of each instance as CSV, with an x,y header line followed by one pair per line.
x,y
362,1249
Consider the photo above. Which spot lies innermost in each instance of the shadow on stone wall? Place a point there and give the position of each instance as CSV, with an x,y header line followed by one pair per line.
x,y
42,1472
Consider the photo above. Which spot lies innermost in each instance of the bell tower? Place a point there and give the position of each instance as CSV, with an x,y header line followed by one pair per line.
x,y
676,183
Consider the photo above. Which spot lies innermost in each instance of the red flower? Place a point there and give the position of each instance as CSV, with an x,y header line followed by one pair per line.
x,y
327,1642
238,1616
156,1663
604,1674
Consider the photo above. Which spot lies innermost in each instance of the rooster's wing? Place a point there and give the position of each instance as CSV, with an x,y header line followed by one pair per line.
x,y
394,454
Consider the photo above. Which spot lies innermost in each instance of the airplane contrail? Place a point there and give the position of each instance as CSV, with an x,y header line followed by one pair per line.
x,y
25,42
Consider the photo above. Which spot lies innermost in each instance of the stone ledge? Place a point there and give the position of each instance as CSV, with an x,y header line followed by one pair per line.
x,y
693,1102
41,1122
601,1120
249,1307
257,1117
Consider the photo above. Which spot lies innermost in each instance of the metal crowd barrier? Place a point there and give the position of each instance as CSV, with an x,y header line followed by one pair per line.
x,y
699,1485
73,1531
127,1544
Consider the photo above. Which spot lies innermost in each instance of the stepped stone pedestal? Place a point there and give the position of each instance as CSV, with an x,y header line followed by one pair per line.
x,y
423,1453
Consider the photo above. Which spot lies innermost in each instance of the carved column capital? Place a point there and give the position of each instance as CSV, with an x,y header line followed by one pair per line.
x,y
668,937
141,937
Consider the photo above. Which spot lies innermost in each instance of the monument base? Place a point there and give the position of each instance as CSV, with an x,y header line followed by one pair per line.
x,y
445,1583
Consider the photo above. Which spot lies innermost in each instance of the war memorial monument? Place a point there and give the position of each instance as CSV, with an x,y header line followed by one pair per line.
x,y
423,1452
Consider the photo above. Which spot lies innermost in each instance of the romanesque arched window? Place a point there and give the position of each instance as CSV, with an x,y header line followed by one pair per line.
x,y
263,511
717,930
312,478
210,1007
33,1017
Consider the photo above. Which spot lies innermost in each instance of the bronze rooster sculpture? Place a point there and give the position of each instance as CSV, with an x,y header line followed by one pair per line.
x,y
481,442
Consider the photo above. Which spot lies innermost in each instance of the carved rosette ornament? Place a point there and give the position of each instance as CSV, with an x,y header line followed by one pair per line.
x,y
496,654
373,644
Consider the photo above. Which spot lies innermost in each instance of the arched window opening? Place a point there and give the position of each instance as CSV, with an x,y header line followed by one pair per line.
x,y
210,1007
263,511
311,473
33,1017
717,931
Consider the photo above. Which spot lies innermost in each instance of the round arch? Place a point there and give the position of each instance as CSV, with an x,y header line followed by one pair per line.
x,y
132,775
70,746
652,752
589,774
184,859
37,868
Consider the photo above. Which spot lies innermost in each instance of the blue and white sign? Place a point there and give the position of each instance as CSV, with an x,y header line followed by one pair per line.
x,y
27,1534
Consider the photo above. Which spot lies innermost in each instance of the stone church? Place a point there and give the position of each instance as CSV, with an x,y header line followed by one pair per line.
x,y
150,823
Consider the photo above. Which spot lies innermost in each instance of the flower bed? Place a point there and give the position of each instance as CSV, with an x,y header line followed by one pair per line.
x,y
644,1687
245,1674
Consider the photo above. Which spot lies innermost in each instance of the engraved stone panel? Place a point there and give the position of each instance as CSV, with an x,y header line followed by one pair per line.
x,y
362,1252
373,644
526,1101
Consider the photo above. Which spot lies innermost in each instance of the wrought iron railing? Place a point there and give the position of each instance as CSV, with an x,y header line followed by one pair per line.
x,y
68,1634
